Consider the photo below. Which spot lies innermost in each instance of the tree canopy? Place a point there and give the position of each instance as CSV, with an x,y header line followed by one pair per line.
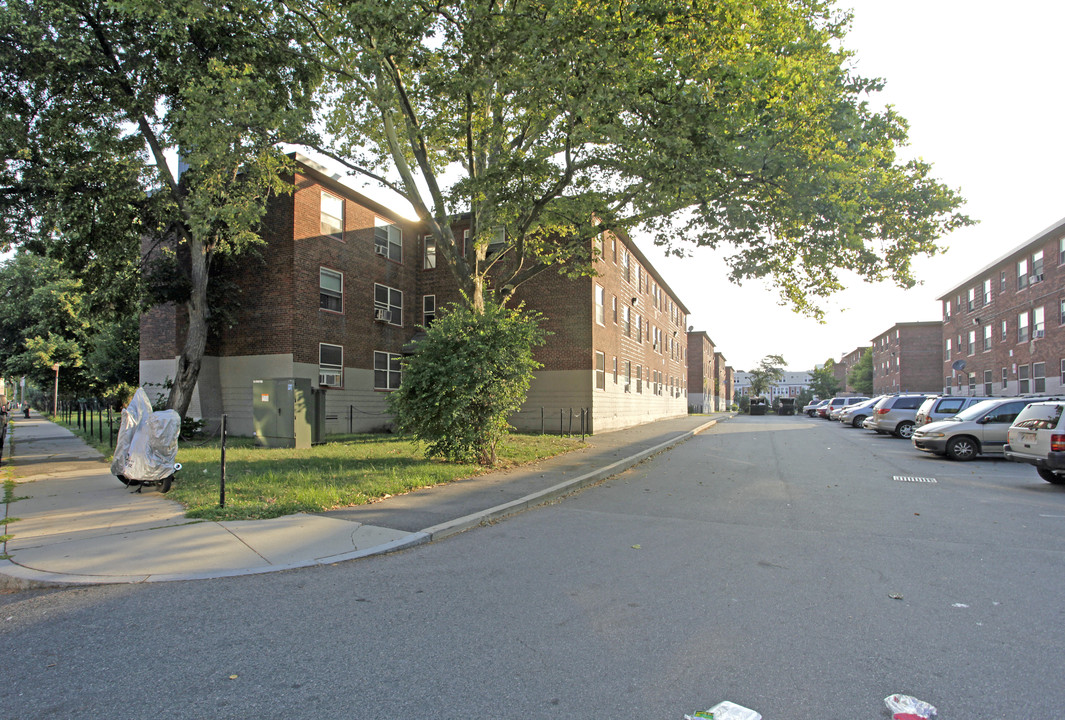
x,y
860,375
770,370
738,124
823,380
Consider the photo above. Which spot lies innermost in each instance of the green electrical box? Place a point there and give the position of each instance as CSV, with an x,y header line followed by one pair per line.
x,y
287,412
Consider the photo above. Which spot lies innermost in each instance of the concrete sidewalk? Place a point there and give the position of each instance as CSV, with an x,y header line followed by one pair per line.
x,y
77,524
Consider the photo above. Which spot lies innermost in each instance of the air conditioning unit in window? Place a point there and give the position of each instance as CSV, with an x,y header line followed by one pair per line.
x,y
382,315
1039,333
329,379
381,249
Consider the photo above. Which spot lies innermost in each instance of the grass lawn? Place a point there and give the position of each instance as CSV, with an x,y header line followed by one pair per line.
x,y
346,470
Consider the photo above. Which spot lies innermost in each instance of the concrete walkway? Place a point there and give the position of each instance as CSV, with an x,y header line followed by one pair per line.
x,y
77,524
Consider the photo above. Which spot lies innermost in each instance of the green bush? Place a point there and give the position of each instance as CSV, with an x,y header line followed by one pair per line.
x,y
469,374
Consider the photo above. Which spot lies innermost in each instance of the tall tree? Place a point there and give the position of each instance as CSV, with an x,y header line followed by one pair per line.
x,y
860,376
823,380
738,123
770,370
119,88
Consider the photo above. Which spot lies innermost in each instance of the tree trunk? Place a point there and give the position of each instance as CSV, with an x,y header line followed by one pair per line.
x,y
188,366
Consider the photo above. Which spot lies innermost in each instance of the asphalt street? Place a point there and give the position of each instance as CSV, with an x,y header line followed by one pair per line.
x,y
790,565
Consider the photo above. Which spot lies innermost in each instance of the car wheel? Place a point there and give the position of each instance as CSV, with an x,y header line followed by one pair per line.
x,y
962,448
857,422
164,484
1050,476
904,430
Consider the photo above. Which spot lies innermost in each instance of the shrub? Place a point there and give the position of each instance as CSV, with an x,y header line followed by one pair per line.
x,y
467,376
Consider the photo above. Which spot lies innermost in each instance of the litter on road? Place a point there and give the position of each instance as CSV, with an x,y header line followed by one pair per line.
x,y
905,707
725,711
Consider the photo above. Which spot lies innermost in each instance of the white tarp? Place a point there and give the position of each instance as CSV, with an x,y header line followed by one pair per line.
x,y
147,441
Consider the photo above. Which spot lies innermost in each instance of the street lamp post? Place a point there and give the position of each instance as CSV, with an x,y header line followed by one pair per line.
x,y
55,406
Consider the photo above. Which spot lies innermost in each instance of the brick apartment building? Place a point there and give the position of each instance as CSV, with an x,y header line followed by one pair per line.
x,y
843,367
1003,330
703,386
722,376
343,281
905,358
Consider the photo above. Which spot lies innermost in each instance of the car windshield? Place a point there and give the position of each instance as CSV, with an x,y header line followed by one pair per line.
x,y
974,412
1039,417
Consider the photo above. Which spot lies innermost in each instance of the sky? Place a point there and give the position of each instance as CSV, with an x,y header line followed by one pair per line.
x,y
981,85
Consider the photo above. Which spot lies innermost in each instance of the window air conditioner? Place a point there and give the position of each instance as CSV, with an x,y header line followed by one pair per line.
x,y
330,379
1039,333
380,249
382,315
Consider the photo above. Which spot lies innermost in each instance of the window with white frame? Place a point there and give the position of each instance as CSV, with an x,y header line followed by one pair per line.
x,y
387,304
600,370
1005,331
1038,322
972,342
639,328
1002,282
330,365
1039,379
429,256
626,321
626,268
600,305
989,382
615,369
1022,273
496,243
972,383
987,337
1006,376
946,309
332,213
428,310
1023,386
946,385
987,292
639,379
628,375
388,239
614,308
330,290
1062,361
946,351
387,370
1037,266
971,305
1022,327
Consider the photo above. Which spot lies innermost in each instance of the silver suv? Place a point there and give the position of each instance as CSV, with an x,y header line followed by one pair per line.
x,y
977,430
942,407
895,414
855,415
1037,437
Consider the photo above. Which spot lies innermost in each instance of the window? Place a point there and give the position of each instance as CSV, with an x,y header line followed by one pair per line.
x,y
330,290
972,342
972,383
1022,380
987,292
600,305
1002,282
387,239
639,328
639,379
386,370
615,370
429,258
946,309
1062,361
626,322
330,365
1061,250
614,308
387,305
496,243
1037,266
626,269
1022,273
971,304
946,351
988,382
599,249
1004,333
332,224
987,338
600,371
1061,312
628,375
946,385
428,310
1006,413
1022,327
1039,377
1006,374
1038,323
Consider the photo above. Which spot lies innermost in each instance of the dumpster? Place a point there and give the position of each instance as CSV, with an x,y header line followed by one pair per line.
x,y
759,406
787,406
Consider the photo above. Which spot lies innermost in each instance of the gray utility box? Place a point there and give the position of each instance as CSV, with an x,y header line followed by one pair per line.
x,y
288,412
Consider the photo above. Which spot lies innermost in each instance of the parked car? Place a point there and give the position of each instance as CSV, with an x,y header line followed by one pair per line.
x,y
896,415
980,429
813,405
1037,437
941,407
835,410
836,403
855,415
